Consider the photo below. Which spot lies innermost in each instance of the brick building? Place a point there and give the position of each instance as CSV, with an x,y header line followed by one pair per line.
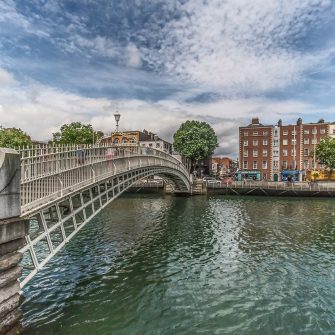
x,y
220,166
278,152
255,145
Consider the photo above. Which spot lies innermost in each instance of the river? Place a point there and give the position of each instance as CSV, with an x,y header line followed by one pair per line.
x,y
158,264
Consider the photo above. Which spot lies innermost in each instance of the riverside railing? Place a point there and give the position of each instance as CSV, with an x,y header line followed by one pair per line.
x,y
49,172
297,186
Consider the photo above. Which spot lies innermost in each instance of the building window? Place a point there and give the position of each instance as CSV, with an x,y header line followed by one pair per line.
x,y
306,164
294,141
293,152
322,131
255,133
275,143
306,152
265,153
276,153
158,145
306,140
285,132
255,153
276,132
265,142
314,131
254,165
245,153
284,165
275,163
255,142
314,141
284,152
245,133
116,141
306,131
285,142
245,164
150,144
265,132
294,132
245,143
265,165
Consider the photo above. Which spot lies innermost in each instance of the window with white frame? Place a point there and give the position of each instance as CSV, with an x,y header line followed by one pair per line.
x,y
306,140
306,164
294,132
265,153
275,143
284,165
294,141
314,131
255,133
285,142
314,141
255,142
255,153
254,165
265,142
276,132
293,152
245,153
265,132
285,132
306,153
276,153
245,164
275,163
284,152
306,131
322,131
264,165
245,133
245,143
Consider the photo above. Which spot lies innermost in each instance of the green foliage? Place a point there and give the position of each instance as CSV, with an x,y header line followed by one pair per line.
x,y
13,138
195,140
76,133
325,153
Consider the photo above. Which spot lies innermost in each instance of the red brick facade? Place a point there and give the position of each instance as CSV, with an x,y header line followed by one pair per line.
x,y
269,150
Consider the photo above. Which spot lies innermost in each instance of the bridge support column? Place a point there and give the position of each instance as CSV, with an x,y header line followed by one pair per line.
x,y
12,232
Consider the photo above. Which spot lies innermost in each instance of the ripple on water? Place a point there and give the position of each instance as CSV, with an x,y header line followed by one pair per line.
x,y
216,265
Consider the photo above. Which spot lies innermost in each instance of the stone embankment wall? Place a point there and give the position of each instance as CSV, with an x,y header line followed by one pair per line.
x,y
12,232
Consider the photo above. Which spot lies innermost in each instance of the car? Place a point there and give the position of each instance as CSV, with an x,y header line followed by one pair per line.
x,y
211,180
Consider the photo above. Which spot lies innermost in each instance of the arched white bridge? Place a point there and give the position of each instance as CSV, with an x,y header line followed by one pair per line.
x,y
63,188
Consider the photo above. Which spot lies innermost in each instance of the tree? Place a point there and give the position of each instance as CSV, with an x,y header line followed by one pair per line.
x,y
195,140
13,138
76,133
325,153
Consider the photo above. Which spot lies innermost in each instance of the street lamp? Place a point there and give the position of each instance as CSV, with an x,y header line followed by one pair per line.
x,y
117,119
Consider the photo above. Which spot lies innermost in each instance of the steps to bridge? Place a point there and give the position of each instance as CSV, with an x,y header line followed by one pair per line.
x,y
198,187
12,232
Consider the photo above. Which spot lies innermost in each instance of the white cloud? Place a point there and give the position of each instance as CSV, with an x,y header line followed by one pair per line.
x,y
6,79
239,47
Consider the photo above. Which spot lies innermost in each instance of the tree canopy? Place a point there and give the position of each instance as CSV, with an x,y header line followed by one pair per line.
x,y
195,140
325,153
76,133
13,138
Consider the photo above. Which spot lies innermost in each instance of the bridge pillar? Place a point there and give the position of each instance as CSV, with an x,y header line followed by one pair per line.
x,y
12,232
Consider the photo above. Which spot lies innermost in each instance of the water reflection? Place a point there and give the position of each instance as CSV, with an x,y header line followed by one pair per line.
x,y
169,265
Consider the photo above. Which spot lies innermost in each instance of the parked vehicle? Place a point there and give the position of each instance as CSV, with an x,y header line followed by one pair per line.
x,y
211,180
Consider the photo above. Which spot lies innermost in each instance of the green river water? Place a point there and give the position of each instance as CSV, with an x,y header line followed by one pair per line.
x,y
158,264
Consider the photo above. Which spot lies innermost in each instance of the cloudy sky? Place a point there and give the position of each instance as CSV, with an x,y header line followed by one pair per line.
x,y
161,62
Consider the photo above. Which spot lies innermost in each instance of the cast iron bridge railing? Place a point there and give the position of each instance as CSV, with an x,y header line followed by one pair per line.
x,y
63,188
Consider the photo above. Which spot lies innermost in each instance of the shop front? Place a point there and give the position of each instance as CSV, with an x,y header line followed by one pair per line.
x,y
291,175
248,175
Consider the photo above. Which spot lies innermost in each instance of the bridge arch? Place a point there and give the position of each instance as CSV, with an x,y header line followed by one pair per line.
x,y
74,191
